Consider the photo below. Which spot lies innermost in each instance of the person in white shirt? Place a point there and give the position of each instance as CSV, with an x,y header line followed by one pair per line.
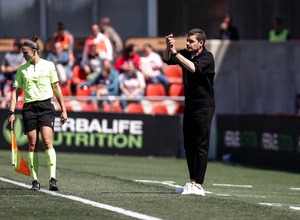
x,y
103,45
150,65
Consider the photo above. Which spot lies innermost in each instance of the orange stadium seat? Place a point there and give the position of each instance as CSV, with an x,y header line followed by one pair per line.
x,y
135,108
155,90
174,74
21,102
116,108
66,91
176,89
179,109
79,75
160,110
84,92
89,107
69,108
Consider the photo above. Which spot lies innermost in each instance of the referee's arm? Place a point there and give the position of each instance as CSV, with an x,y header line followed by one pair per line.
x,y
60,99
13,103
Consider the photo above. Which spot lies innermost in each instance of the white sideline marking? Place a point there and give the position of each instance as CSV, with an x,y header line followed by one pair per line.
x,y
86,201
222,194
271,204
281,205
295,208
230,185
295,188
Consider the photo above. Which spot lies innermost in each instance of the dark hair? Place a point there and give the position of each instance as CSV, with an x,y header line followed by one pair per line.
x,y
200,35
18,43
278,20
32,42
129,48
61,26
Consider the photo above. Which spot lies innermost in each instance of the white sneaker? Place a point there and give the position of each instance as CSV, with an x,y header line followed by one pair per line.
x,y
184,189
187,189
197,191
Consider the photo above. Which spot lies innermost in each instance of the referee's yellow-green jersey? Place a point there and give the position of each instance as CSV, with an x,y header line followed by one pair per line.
x,y
36,80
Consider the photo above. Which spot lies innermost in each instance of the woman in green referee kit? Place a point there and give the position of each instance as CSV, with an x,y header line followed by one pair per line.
x,y
39,80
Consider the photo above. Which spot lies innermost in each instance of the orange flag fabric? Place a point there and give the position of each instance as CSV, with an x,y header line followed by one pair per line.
x,y
17,160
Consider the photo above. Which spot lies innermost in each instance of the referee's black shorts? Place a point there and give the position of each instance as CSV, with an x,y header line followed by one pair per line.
x,y
37,114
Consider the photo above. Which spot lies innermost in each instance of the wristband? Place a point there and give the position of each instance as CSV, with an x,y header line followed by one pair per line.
x,y
174,54
11,113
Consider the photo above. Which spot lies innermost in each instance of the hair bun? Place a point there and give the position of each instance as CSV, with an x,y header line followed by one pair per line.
x,y
34,38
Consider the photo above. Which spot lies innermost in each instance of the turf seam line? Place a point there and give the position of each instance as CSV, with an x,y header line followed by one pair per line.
x,y
86,201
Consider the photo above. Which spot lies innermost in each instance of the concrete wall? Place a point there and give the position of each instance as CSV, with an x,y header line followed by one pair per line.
x,y
256,77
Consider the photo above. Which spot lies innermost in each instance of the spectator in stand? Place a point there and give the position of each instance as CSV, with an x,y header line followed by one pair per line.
x,y
60,58
132,84
67,41
103,45
108,77
114,37
11,62
92,65
227,30
278,33
129,54
107,82
150,65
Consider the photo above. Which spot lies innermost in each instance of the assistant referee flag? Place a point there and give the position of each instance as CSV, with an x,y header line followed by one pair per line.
x,y
17,160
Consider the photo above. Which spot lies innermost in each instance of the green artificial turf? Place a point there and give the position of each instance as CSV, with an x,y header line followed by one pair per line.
x,y
116,181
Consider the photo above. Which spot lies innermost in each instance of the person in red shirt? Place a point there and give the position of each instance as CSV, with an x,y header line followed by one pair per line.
x,y
129,54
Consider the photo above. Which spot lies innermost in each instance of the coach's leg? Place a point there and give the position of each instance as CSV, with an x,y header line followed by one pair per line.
x,y
202,125
188,144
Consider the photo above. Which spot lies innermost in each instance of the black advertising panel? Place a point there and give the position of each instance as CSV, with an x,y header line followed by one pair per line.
x,y
106,133
271,140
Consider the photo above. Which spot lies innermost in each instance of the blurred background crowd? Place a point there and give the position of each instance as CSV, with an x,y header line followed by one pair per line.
x,y
88,42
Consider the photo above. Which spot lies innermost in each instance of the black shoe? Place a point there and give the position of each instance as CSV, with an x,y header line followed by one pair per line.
x,y
53,184
35,185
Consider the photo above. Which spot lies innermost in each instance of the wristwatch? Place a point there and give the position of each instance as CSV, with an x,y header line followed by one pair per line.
x,y
10,113
174,54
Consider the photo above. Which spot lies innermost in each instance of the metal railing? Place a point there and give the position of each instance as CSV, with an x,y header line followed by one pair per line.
x,y
145,100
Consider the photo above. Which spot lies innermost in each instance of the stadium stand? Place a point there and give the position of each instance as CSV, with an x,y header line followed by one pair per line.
x,y
115,109
20,100
79,75
89,107
179,109
160,110
158,43
75,98
66,91
155,90
174,74
86,91
7,43
176,89
135,108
